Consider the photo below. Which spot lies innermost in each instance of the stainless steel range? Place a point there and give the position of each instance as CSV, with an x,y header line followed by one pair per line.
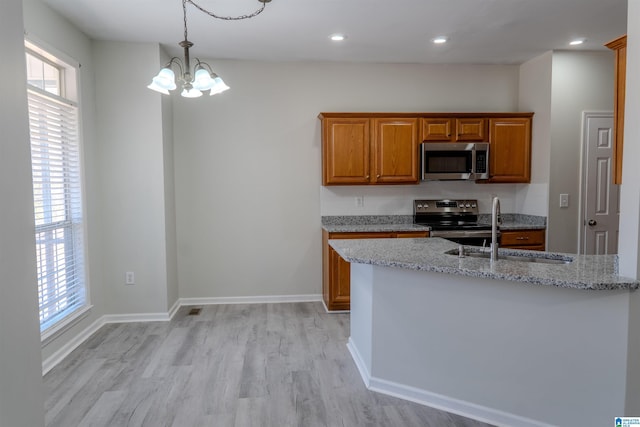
x,y
455,220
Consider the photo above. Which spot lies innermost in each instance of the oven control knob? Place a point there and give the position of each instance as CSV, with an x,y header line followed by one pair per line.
x,y
468,205
473,205
419,206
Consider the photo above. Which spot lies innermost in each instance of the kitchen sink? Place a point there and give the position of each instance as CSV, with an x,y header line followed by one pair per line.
x,y
523,257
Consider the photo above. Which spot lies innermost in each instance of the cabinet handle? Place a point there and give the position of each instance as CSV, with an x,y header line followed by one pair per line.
x,y
377,176
522,238
367,176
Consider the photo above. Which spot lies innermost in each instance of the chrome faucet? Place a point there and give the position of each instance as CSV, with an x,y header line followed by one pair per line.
x,y
495,219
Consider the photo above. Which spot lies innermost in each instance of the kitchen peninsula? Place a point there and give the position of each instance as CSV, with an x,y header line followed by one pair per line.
x,y
511,343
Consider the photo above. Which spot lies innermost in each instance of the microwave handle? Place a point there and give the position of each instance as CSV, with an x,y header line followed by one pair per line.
x,y
472,172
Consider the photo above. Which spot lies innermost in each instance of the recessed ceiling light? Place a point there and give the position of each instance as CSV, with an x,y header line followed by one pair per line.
x,y
439,40
576,42
337,37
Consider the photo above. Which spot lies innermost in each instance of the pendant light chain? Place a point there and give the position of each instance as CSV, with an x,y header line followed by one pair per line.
x,y
228,18
184,13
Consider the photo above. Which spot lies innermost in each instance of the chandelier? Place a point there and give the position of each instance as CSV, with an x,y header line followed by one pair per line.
x,y
203,78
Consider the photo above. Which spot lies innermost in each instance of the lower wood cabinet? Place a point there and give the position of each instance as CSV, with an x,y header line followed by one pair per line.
x,y
533,240
336,272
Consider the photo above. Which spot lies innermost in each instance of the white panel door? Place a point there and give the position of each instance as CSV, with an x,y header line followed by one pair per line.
x,y
601,197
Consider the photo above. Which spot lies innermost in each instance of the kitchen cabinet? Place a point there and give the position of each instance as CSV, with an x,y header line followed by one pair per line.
x,y
365,150
345,150
533,239
336,272
619,45
510,149
436,129
395,148
382,148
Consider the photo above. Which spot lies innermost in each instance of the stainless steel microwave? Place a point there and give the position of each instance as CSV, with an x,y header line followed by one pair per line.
x,y
454,160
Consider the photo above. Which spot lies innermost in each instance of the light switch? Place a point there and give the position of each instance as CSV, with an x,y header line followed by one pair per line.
x,y
564,200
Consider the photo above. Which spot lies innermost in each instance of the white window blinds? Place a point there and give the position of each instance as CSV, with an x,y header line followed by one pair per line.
x,y
55,158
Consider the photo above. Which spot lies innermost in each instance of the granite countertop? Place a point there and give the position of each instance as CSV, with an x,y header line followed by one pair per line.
x,y
595,272
400,223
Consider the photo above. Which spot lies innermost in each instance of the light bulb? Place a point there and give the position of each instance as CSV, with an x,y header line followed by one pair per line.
x,y
190,92
164,81
218,87
203,80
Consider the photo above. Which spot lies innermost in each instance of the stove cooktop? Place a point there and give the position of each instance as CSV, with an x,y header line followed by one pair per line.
x,y
448,214
458,226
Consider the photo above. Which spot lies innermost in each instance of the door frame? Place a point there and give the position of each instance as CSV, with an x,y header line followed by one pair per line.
x,y
586,115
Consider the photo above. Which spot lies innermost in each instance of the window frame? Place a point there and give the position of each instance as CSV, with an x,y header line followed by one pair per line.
x,y
69,90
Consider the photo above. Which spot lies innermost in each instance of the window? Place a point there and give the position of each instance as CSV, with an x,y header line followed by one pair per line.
x,y
57,191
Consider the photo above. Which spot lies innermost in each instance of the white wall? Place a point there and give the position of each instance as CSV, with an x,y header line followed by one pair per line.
x,y
535,95
581,81
629,244
21,390
248,165
132,163
173,290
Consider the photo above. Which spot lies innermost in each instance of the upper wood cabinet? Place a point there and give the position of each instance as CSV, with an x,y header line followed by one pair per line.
x,y
619,45
510,149
364,150
382,148
395,147
438,129
345,151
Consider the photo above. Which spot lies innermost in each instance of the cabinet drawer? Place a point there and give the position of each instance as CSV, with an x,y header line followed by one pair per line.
x,y
522,238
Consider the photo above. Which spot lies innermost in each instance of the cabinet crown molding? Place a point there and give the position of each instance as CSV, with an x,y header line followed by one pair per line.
x,y
325,115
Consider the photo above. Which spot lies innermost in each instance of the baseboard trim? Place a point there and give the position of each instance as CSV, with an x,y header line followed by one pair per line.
x,y
174,309
362,367
438,401
51,361
272,299
136,317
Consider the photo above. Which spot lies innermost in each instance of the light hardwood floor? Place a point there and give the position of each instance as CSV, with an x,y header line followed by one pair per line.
x,y
232,365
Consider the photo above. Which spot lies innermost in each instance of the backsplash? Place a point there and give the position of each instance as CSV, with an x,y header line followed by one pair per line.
x,y
367,219
517,218
398,199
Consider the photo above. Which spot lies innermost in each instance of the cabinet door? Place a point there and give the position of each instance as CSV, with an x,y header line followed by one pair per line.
x,y
436,129
510,150
395,143
345,151
340,282
336,272
471,130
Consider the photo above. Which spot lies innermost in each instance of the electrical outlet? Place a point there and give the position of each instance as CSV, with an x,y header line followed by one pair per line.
x,y
359,201
129,278
564,200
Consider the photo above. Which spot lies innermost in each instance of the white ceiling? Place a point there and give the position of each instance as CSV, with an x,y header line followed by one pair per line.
x,y
479,31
